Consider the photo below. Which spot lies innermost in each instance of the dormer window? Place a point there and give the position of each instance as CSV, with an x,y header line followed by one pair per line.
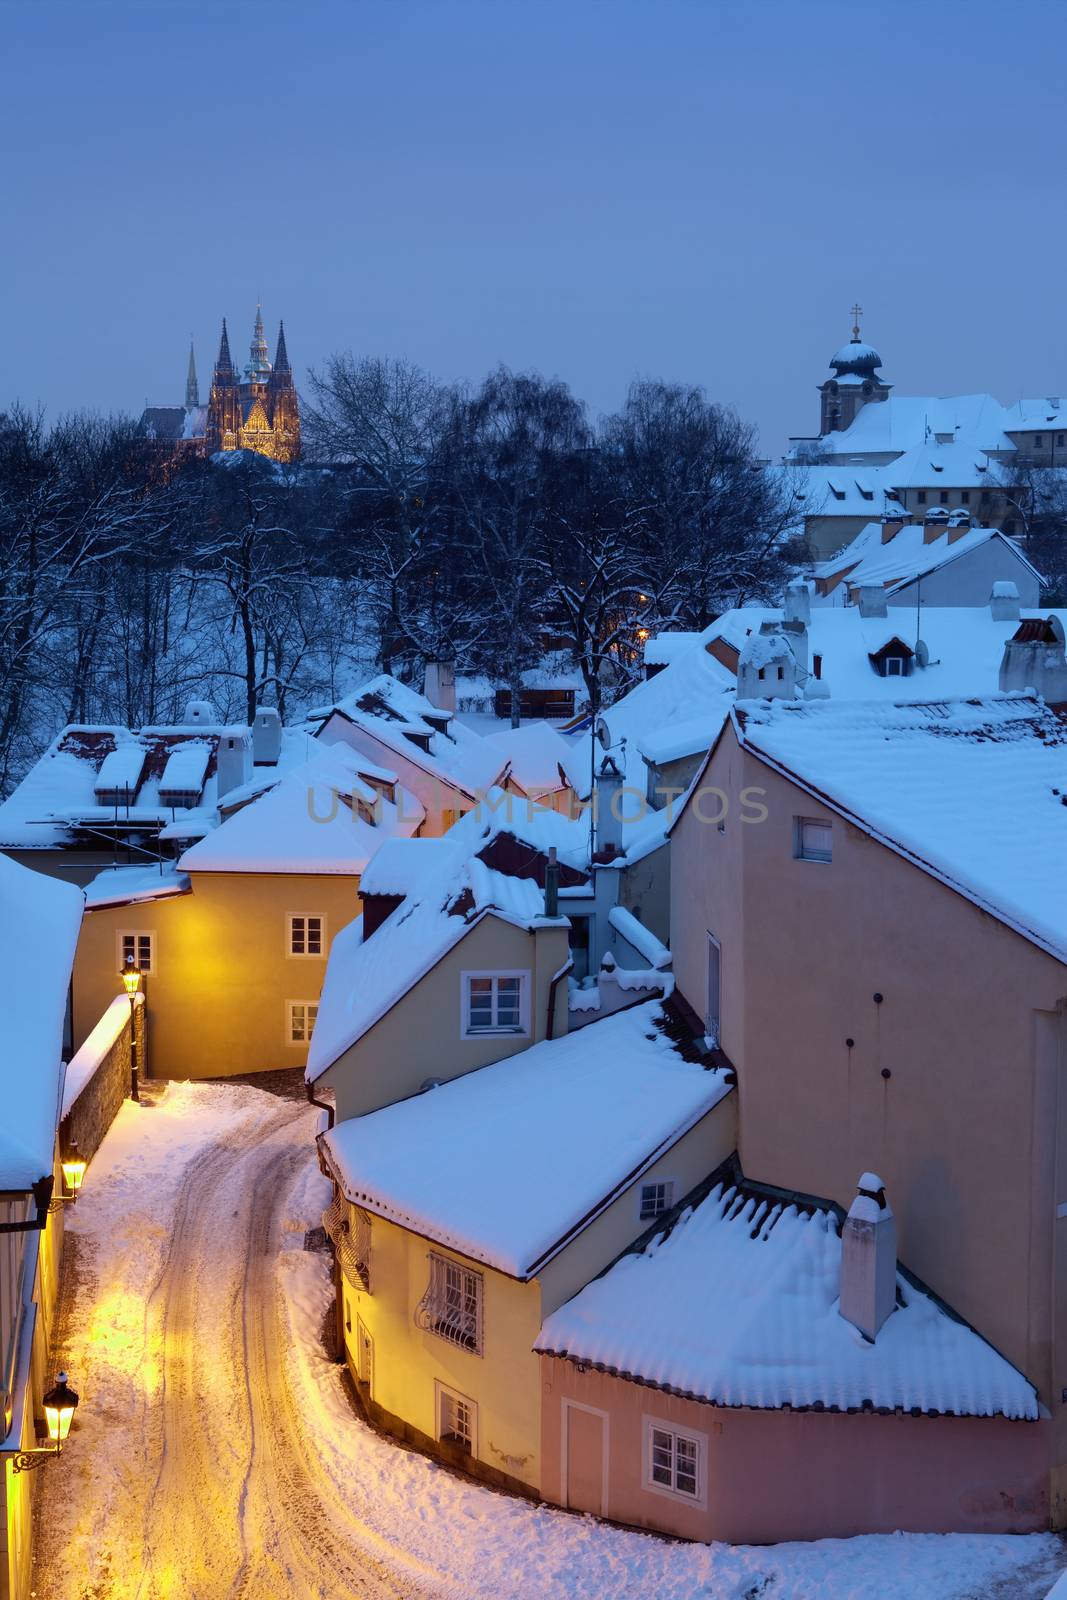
x,y
893,660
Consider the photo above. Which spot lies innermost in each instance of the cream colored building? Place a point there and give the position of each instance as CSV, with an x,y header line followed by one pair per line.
x,y
465,1214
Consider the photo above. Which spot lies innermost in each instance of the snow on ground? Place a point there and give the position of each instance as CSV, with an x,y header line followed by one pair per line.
x,y
174,1184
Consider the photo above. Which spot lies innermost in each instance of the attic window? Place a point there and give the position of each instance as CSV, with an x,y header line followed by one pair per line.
x,y
421,740
655,1199
495,1002
893,660
812,839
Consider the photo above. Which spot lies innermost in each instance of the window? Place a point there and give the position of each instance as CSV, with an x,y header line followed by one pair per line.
x,y
656,1198
348,1315
140,948
301,1020
495,1002
307,935
965,497
894,666
452,1304
812,840
457,1420
921,497
1059,440
674,1462
1039,440
943,497
985,497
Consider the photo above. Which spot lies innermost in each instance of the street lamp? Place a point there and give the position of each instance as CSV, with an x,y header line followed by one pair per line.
x,y
73,1170
60,1404
130,974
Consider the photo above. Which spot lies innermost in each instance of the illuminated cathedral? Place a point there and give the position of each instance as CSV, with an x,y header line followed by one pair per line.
x,y
257,412
260,411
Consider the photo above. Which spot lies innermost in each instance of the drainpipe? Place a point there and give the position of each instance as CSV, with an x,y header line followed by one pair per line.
x,y
323,1105
554,982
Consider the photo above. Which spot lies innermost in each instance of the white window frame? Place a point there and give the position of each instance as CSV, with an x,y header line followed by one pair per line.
x,y
136,934
305,917
443,1393
522,1031
308,1006
430,1311
800,851
894,667
650,1424
667,1184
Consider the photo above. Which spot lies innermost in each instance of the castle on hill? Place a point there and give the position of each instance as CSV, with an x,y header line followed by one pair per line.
x,y
257,411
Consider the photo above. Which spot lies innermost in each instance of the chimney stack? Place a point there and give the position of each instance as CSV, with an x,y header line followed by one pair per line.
x,y
231,769
869,1259
608,810
1034,659
266,737
439,685
552,884
798,601
767,664
870,597
1004,603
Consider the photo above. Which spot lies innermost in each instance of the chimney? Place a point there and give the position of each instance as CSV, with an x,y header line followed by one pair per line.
x,y
266,737
439,685
869,1259
201,714
891,526
231,768
935,523
798,601
1004,603
608,810
1034,659
870,597
767,665
552,884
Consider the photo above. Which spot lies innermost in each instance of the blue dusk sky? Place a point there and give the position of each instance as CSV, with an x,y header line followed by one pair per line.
x,y
599,189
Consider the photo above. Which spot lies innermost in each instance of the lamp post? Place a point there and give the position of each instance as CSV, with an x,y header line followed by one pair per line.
x,y
130,975
60,1404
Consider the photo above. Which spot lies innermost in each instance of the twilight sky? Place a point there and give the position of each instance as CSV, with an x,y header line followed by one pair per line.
x,y
599,189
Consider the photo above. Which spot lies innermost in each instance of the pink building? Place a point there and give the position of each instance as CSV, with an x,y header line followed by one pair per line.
x,y
708,1386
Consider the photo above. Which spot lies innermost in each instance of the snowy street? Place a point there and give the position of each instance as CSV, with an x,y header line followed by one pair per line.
x,y
216,1452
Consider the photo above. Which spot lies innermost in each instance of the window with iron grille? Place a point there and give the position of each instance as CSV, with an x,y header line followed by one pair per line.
x,y
348,1230
306,935
457,1419
674,1462
495,1002
452,1304
301,1020
140,948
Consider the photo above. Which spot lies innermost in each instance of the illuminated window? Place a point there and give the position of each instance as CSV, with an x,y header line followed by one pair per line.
x,y
812,839
307,935
140,948
452,1304
495,1002
301,1020
457,1419
674,1462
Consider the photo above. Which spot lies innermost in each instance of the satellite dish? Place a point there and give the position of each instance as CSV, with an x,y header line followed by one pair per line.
x,y
922,653
603,733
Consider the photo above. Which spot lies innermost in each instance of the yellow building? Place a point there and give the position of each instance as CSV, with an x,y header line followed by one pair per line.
x,y
233,944
466,1214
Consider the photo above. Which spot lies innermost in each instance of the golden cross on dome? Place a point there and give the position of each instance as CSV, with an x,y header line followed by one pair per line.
x,y
857,312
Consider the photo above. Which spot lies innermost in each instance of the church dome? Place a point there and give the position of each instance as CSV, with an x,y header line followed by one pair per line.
x,y
856,357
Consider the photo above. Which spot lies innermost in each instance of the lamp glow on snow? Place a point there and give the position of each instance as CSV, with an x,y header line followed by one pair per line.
x,y
131,977
73,1169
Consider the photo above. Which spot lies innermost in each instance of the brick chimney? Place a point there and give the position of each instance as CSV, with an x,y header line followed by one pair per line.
x,y
869,1259
1034,658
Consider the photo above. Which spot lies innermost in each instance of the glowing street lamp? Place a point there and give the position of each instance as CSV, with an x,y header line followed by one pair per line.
x,y
73,1170
130,975
60,1404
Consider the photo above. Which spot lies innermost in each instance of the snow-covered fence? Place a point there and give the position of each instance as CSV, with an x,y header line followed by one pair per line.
x,y
616,989
99,1076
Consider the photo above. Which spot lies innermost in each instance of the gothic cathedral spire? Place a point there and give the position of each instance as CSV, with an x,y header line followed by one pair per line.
x,y
192,388
224,365
281,355
259,366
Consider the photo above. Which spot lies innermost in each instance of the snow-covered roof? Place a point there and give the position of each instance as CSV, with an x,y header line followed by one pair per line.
x,y
490,861
869,561
541,760
408,724
693,684
118,886
896,424
955,465
561,1129
841,491
1036,416
736,1304
971,791
321,817
39,922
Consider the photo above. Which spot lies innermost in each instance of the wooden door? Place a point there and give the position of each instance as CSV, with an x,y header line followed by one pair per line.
x,y
585,1439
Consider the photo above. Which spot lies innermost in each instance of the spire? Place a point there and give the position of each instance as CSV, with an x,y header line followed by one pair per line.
x,y
281,355
259,366
192,388
857,312
224,364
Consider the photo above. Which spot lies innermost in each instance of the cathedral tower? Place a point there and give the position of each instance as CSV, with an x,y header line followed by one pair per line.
x,y
855,382
261,412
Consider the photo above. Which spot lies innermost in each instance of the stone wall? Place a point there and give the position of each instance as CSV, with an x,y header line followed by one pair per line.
x,y
96,1105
